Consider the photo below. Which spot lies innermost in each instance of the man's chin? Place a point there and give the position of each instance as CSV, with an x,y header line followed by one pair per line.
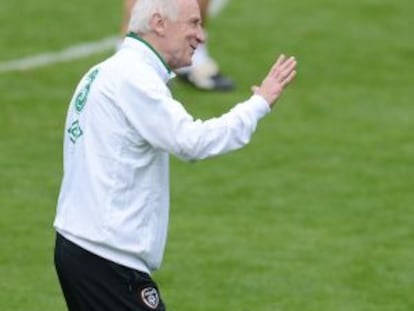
x,y
183,64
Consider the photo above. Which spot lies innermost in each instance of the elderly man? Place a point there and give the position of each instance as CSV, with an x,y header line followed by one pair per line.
x,y
204,73
121,127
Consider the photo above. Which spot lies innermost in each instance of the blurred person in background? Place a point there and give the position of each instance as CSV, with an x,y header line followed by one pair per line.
x,y
121,127
204,73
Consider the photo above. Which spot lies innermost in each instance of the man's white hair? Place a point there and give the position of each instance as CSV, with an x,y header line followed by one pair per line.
x,y
144,10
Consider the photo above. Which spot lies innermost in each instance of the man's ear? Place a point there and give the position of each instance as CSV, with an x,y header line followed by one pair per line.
x,y
158,24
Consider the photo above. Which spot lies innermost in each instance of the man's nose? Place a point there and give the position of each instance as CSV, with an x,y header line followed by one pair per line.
x,y
201,35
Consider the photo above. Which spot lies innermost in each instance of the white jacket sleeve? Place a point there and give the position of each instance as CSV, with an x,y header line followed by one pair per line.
x,y
165,124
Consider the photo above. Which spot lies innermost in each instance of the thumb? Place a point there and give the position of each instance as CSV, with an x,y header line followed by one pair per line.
x,y
255,89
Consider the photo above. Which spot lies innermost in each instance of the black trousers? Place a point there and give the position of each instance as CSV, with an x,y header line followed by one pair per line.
x,y
92,283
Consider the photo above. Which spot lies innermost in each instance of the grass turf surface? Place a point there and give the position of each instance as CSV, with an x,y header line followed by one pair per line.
x,y
315,214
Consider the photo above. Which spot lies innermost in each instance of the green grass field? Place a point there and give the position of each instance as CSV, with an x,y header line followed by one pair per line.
x,y
316,214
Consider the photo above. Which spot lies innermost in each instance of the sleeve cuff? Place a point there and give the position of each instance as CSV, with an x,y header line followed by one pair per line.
x,y
261,106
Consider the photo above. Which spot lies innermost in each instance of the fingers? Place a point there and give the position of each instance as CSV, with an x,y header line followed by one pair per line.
x,y
288,73
283,70
280,75
279,61
289,78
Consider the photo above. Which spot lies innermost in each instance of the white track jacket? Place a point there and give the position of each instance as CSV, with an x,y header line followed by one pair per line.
x,y
121,126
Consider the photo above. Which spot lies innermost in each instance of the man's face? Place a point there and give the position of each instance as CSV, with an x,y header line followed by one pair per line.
x,y
184,34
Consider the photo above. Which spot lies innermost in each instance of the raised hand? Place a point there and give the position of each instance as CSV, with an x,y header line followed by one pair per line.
x,y
279,76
